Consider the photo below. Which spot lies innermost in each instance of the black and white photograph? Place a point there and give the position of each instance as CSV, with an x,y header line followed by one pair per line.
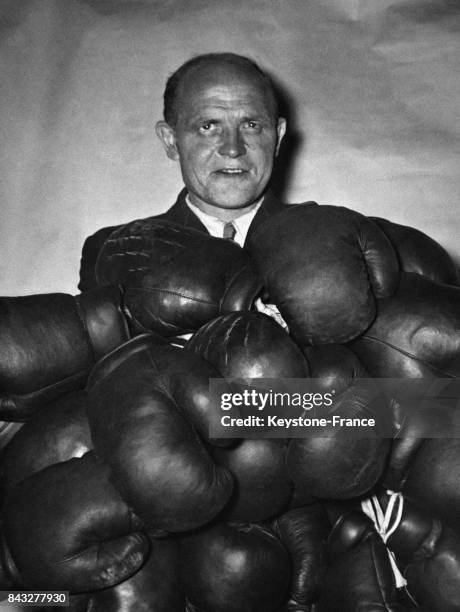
x,y
230,305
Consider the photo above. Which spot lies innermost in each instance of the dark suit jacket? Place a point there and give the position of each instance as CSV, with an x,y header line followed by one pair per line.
x,y
179,213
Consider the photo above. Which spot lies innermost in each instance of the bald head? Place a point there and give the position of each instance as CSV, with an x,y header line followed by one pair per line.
x,y
210,69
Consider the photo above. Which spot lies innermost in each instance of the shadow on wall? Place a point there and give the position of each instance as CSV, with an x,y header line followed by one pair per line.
x,y
291,144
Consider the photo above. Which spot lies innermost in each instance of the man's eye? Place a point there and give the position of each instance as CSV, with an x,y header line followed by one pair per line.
x,y
252,125
207,127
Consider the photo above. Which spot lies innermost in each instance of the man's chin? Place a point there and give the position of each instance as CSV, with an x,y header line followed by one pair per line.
x,y
234,199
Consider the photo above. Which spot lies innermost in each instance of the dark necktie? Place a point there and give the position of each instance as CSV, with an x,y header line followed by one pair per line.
x,y
229,231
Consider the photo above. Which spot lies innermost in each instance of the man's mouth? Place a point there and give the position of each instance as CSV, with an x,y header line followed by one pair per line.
x,y
231,171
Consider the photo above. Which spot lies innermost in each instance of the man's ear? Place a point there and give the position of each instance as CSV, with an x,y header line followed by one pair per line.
x,y
281,131
167,136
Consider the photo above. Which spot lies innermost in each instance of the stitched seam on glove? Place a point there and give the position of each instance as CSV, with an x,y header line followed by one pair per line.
x,y
152,290
231,283
55,385
434,369
159,381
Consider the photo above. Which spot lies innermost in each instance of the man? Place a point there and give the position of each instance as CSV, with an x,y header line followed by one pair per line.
x,y
222,124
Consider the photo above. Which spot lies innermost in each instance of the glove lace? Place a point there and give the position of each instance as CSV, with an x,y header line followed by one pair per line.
x,y
382,521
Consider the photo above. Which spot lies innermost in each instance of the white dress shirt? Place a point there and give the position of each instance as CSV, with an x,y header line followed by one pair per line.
x,y
215,226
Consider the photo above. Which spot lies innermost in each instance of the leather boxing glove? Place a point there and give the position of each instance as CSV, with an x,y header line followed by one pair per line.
x,y
59,432
154,588
8,429
426,471
176,279
49,343
333,366
329,267
412,424
336,462
67,528
419,253
262,487
304,532
428,553
416,333
144,400
234,567
416,336
251,345
359,577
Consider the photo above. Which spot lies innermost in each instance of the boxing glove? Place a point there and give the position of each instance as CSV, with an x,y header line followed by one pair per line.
x,y
426,470
335,462
304,532
359,577
144,400
67,528
154,588
329,266
412,424
415,336
49,343
8,429
428,553
262,487
234,568
419,253
416,333
249,345
175,278
333,366
58,432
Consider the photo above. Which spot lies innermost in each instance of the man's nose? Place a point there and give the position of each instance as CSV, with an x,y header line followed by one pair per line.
x,y
232,144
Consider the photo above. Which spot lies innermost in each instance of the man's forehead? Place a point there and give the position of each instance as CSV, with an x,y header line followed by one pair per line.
x,y
215,83
225,97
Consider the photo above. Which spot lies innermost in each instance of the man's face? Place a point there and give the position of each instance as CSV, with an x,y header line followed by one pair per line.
x,y
225,138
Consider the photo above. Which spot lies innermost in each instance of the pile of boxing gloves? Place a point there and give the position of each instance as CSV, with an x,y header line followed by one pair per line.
x,y
113,488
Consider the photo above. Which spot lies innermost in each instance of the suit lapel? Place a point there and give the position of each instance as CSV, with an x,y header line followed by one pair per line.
x,y
180,213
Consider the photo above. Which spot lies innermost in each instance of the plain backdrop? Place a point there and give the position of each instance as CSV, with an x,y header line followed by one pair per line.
x,y
372,88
